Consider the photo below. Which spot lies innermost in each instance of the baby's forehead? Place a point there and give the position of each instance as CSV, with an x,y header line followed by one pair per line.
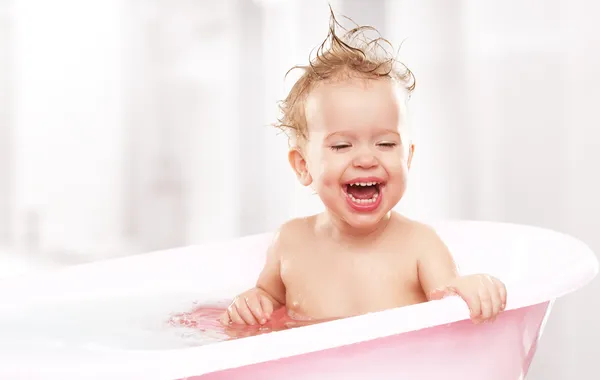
x,y
348,104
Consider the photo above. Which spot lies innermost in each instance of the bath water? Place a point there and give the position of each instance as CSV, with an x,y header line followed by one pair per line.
x,y
127,322
204,319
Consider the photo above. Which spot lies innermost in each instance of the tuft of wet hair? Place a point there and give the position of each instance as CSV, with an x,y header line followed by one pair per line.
x,y
353,54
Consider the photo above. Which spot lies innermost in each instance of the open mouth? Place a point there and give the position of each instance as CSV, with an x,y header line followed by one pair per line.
x,y
363,195
363,192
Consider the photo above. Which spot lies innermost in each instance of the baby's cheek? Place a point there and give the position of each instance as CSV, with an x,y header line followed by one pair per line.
x,y
329,174
330,181
397,169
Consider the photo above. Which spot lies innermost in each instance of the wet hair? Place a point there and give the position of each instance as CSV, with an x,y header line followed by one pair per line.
x,y
348,56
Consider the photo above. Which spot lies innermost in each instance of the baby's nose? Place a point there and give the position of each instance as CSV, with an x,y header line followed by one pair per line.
x,y
365,160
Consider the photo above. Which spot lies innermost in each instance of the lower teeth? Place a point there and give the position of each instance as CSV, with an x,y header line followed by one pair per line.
x,y
364,201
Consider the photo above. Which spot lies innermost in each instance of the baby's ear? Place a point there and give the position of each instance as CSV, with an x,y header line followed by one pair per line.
x,y
411,151
298,163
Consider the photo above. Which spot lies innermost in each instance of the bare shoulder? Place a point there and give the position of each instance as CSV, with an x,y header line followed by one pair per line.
x,y
283,243
435,263
411,227
422,237
290,233
296,228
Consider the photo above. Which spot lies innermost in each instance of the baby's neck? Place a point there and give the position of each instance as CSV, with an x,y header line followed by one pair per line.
x,y
341,231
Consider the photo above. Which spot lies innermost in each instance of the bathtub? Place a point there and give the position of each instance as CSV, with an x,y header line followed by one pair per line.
x,y
96,321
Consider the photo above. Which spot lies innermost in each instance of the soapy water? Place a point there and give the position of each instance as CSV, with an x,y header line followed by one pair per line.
x,y
122,323
204,320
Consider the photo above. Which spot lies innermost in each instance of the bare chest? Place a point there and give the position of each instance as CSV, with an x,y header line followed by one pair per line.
x,y
325,281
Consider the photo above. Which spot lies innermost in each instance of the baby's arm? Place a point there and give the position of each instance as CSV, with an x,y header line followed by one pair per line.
x,y
269,281
439,277
256,305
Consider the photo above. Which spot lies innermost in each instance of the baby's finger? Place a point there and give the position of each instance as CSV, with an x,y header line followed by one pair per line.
x,y
476,310
502,291
473,302
267,306
244,312
234,315
255,307
495,297
224,319
486,301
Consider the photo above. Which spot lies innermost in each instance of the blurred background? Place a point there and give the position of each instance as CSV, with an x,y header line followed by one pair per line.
x,y
134,125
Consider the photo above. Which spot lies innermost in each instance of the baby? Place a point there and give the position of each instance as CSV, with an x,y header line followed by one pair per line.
x,y
351,143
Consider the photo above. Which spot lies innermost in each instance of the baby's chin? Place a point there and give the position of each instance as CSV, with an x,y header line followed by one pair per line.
x,y
366,222
363,222
359,220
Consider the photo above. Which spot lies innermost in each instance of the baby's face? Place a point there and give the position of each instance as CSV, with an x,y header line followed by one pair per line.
x,y
355,156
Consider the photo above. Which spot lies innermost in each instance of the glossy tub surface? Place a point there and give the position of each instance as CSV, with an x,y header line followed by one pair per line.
x,y
434,340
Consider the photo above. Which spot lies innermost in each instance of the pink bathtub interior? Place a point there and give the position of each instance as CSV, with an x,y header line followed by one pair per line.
x,y
72,324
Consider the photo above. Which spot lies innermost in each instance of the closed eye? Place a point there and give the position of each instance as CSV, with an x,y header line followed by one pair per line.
x,y
339,146
387,144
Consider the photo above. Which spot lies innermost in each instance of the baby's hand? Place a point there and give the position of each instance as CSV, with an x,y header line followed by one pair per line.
x,y
484,294
252,307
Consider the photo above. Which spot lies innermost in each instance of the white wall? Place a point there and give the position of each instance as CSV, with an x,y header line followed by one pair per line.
x,y
6,118
68,124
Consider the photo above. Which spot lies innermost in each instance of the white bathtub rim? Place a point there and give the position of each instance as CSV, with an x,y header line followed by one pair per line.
x,y
252,350
230,354
329,335
178,364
